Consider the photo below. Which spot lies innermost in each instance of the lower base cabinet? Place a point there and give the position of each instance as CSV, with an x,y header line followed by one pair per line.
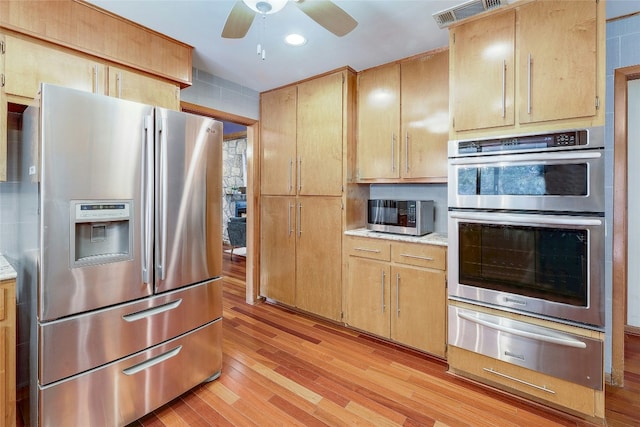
x,y
397,291
8,352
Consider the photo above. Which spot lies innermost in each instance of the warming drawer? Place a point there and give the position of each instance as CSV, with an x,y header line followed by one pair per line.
x,y
131,387
571,357
121,330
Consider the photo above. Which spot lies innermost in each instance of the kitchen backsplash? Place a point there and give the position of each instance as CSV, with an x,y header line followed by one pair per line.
x,y
435,192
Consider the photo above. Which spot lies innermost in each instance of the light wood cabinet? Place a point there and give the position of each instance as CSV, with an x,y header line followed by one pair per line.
x,y
300,247
403,120
398,291
7,353
29,62
505,77
303,144
140,88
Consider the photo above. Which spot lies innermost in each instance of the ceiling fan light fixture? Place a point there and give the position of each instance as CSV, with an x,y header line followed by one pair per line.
x,y
266,7
295,39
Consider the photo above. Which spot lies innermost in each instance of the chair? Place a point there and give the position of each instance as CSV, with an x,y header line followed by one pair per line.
x,y
237,231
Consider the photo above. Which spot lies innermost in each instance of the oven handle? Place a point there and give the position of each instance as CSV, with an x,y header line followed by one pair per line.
x,y
526,157
537,219
567,342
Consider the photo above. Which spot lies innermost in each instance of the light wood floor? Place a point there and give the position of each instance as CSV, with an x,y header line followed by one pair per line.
x,y
281,368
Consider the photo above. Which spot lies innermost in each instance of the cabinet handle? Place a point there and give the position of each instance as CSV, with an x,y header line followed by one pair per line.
x,y
290,174
299,219
425,258
289,219
509,377
382,290
119,84
375,251
504,89
393,152
406,151
95,78
397,294
299,174
529,84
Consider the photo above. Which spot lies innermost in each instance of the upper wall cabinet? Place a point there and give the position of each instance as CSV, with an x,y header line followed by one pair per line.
x,y
302,138
140,88
403,119
537,64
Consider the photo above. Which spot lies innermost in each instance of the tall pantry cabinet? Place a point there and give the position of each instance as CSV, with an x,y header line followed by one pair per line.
x,y
304,131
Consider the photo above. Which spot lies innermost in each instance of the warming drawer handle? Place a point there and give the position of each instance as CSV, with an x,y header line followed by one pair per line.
x,y
509,377
152,362
567,342
424,258
152,311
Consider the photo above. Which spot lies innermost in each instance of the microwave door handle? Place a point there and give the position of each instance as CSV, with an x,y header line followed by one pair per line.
x,y
564,341
537,219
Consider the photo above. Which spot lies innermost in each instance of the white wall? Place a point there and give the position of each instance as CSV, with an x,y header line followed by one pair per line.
x,y
633,210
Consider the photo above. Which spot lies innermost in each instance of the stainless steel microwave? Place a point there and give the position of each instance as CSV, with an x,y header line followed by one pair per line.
x,y
412,217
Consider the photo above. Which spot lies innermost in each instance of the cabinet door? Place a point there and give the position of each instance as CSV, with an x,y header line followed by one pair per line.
x,y
278,141
424,94
140,88
379,122
319,256
482,83
367,296
319,139
418,308
557,71
27,64
278,249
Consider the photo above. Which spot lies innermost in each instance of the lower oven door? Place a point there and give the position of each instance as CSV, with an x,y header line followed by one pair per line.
x,y
546,265
562,355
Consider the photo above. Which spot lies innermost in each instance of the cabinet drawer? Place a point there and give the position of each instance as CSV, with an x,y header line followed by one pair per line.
x,y
420,255
368,248
543,388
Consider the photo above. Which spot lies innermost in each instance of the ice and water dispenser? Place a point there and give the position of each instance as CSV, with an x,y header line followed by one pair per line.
x,y
101,232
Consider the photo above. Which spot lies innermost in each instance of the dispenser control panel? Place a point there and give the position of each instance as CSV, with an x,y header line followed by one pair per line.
x,y
102,211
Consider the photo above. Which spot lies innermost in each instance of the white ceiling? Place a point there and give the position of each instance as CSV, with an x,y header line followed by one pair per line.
x,y
387,30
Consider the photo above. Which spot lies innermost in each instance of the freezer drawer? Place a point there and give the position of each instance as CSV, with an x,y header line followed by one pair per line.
x,y
79,343
125,390
562,355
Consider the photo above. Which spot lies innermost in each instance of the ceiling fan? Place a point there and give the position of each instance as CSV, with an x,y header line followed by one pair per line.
x,y
324,12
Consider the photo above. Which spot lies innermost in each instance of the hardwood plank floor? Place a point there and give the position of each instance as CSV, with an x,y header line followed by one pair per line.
x,y
281,368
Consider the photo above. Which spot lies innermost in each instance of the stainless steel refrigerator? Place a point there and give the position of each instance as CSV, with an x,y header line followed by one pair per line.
x,y
125,260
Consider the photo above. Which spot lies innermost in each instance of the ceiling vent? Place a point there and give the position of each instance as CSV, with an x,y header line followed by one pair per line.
x,y
465,10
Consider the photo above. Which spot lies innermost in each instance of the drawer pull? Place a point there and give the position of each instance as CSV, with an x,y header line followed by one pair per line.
x,y
152,362
152,311
565,341
509,377
425,258
375,251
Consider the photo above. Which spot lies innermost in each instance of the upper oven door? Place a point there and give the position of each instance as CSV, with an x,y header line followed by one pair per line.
x,y
558,181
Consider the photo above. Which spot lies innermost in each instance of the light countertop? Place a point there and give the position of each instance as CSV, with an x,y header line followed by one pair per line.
x,y
6,270
438,239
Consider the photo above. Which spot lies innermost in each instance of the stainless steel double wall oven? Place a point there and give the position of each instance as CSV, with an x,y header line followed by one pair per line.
x,y
526,224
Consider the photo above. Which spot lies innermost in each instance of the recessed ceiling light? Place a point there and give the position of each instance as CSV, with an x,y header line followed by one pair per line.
x,y
295,40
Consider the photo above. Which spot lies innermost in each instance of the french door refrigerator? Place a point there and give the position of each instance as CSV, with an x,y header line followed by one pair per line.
x,y
125,257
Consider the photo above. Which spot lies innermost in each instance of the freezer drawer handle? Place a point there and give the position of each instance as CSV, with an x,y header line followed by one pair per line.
x,y
509,377
152,362
526,334
152,311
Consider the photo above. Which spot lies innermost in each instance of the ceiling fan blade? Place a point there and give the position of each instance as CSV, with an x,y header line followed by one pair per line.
x,y
238,21
329,15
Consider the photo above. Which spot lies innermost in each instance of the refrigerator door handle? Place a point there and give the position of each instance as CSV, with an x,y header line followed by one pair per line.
x,y
147,192
161,236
